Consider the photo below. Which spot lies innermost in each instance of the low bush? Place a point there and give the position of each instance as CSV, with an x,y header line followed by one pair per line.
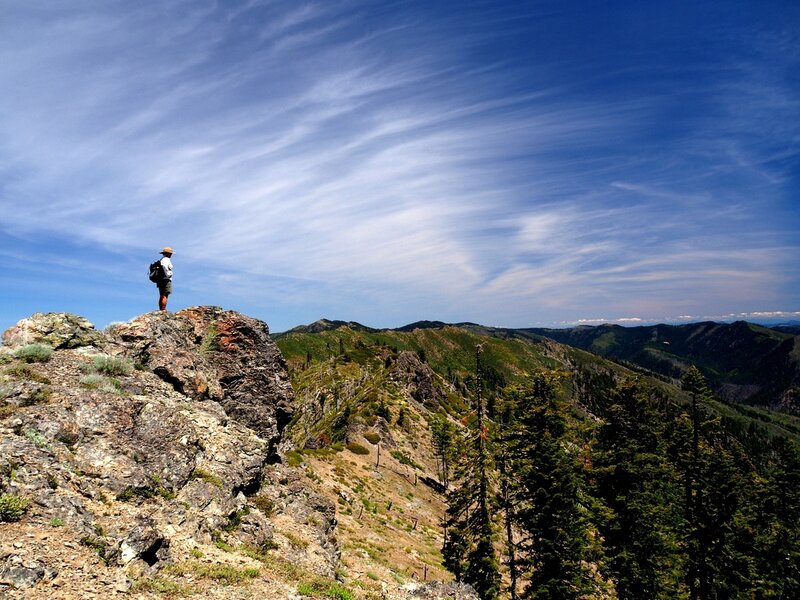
x,y
404,459
96,544
324,589
33,353
161,585
12,507
36,437
373,437
27,373
264,504
224,574
100,383
112,365
208,477
357,448
294,458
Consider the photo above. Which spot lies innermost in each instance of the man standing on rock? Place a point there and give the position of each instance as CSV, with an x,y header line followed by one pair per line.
x,y
165,282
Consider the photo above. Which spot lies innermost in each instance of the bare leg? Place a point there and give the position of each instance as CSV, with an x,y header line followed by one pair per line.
x,y
162,303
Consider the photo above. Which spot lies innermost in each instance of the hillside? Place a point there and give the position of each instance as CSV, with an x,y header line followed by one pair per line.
x,y
742,361
510,356
388,397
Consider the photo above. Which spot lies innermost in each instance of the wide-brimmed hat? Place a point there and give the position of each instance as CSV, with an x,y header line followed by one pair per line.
x,y
167,250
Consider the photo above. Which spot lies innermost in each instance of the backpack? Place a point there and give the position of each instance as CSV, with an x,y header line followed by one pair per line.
x,y
157,272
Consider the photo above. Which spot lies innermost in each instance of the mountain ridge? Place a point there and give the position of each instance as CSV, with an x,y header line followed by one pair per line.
x,y
743,361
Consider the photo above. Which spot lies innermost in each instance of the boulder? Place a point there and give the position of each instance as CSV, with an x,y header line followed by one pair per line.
x,y
212,354
58,330
21,574
437,590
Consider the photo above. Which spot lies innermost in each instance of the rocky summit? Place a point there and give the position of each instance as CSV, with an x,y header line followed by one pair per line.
x,y
149,460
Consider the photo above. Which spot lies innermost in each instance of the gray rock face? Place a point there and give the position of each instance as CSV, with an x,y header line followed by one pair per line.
x,y
211,354
144,542
443,591
59,330
21,574
418,378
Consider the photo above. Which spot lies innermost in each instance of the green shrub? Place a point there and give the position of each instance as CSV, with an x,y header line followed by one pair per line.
x,y
210,341
357,448
324,589
95,544
373,437
40,396
294,458
161,585
225,574
12,507
112,365
103,384
34,353
264,504
295,541
146,492
404,459
37,438
27,373
56,522
208,477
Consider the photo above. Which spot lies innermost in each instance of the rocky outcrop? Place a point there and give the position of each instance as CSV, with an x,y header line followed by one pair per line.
x,y
168,448
443,591
208,353
418,380
58,330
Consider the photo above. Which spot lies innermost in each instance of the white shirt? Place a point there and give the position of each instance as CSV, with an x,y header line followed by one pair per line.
x,y
167,264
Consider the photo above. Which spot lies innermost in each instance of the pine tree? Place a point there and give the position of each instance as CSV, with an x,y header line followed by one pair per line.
x,y
694,383
549,515
443,434
635,481
468,550
506,498
779,526
717,483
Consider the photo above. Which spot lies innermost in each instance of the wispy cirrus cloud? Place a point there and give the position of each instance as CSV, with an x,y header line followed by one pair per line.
x,y
389,165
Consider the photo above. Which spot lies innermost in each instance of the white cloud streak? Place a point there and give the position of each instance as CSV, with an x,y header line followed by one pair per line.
x,y
283,140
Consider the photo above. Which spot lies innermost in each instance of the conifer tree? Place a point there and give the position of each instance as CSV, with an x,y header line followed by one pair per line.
x,y
635,481
443,434
549,515
778,526
468,550
717,481
694,383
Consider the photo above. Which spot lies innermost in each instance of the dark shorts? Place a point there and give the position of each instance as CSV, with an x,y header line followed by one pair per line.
x,y
165,287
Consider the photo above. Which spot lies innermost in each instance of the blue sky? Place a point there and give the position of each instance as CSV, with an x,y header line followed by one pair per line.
x,y
507,163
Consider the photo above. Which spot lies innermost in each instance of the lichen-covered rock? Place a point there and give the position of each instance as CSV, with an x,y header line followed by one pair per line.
x,y
209,353
144,542
438,590
20,574
177,453
58,330
166,344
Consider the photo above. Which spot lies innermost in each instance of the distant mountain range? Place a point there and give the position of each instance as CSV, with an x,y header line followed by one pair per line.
x,y
742,361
